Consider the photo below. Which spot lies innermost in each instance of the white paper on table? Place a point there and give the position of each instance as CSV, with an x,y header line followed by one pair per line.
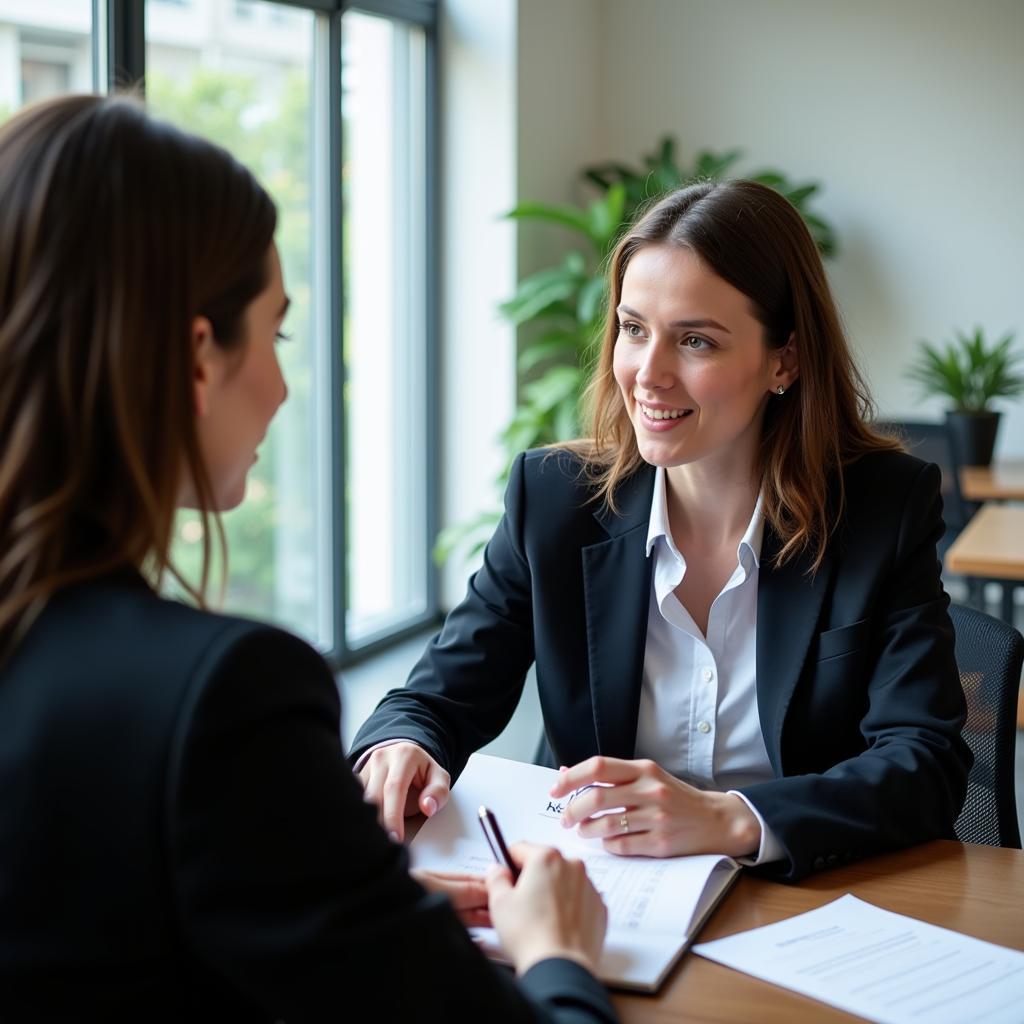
x,y
880,965
655,906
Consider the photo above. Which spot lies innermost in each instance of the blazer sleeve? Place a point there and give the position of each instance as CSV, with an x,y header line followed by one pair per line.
x,y
285,886
464,689
909,783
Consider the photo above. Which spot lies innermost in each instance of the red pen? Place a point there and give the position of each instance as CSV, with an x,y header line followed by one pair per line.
x,y
496,841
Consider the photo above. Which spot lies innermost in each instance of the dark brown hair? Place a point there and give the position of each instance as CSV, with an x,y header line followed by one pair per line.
x,y
754,238
116,231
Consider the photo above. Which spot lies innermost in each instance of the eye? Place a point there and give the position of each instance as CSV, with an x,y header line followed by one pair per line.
x,y
631,329
696,343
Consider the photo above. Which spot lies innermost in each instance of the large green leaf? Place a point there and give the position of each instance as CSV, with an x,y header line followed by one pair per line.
x,y
591,301
542,290
567,216
552,344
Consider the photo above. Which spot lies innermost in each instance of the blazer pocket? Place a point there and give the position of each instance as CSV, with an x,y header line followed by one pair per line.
x,y
835,642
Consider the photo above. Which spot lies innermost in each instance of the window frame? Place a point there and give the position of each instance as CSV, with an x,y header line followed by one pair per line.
x,y
119,59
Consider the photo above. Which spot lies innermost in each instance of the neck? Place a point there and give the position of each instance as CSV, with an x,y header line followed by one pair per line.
x,y
708,508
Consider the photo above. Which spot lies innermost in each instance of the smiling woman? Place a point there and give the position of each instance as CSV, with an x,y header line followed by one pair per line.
x,y
683,577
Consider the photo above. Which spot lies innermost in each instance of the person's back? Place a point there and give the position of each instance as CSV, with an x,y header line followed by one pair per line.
x,y
183,840
90,890
181,836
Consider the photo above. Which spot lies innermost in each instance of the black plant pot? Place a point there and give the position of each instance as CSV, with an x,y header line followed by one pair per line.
x,y
973,436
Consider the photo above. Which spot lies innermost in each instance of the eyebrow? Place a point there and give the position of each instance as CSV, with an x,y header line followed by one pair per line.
x,y
713,324
284,308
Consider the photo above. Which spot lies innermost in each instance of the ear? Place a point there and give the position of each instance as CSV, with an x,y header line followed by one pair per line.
x,y
205,364
785,366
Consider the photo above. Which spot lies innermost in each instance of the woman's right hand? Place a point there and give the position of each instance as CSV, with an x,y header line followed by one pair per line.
x,y
553,910
403,779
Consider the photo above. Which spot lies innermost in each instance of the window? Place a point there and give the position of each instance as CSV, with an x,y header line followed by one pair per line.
x,y
333,540
385,322
45,49
331,110
253,95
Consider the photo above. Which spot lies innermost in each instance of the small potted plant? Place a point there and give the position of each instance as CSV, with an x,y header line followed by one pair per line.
x,y
971,374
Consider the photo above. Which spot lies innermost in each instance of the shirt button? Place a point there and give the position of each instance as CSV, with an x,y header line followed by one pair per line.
x,y
707,675
704,726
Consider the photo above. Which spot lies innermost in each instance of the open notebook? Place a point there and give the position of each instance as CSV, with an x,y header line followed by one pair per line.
x,y
655,907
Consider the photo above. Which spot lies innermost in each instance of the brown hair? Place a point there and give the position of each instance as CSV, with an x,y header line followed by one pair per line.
x,y
116,231
754,238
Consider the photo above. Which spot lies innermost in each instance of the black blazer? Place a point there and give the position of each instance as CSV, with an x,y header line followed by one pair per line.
x,y
182,839
857,687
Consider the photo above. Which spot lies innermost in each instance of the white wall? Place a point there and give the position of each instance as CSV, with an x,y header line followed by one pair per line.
x,y
559,120
478,181
910,112
520,115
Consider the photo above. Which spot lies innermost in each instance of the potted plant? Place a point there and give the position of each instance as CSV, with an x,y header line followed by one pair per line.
x,y
972,375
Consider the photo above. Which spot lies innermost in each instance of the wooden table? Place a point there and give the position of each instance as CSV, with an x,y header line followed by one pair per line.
x,y
991,546
978,890
1002,481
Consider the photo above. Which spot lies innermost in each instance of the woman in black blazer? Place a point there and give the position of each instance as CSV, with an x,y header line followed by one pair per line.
x,y
181,837
731,591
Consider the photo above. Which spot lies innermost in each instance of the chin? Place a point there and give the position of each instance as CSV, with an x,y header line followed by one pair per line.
x,y
232,501
231,496
662,456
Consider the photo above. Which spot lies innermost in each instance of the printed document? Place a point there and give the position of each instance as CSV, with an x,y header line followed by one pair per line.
x,y
880,965
655,906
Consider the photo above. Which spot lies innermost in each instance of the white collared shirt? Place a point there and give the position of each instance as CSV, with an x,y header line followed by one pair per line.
x,y
698,702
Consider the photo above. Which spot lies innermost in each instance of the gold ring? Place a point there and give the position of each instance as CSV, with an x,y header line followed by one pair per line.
x,y
624,823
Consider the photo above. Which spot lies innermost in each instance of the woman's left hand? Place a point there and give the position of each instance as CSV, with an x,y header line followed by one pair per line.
x,y
655,814
468,894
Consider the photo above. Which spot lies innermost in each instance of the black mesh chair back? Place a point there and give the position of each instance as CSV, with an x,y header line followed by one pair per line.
x,y
989,654
931,442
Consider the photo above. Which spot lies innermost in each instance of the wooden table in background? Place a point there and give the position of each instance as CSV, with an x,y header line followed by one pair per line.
x,y
977,890
1002,481
991,547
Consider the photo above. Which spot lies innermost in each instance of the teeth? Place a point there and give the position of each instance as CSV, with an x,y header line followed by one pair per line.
x,y
662,414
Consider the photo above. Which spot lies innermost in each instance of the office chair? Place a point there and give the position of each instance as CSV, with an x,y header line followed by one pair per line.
x,y
989,654
931,442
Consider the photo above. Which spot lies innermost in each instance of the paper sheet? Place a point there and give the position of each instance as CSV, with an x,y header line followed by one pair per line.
x,y
880,965
651,902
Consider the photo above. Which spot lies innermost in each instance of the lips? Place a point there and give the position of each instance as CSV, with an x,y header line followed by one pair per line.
x,y
660,413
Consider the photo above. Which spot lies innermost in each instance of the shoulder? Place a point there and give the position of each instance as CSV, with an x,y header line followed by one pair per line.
x,y
889,468
882,484
555,468
892,504
561,477
114,639
548,485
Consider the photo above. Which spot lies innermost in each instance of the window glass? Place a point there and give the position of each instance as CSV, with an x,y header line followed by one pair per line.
x,y
45,49
385,322
239,72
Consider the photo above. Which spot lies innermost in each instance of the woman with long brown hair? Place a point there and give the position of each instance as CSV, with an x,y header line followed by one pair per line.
x,y
730,589
181,837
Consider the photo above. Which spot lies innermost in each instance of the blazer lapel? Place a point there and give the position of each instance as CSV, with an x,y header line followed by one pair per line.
x,y
788,608
616,584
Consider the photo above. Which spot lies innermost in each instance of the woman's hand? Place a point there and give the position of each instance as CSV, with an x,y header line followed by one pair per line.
x,y
552,910
468,894
654,814
403,779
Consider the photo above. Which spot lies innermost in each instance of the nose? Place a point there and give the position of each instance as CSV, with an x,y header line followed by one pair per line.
x,y
655,370
282,383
